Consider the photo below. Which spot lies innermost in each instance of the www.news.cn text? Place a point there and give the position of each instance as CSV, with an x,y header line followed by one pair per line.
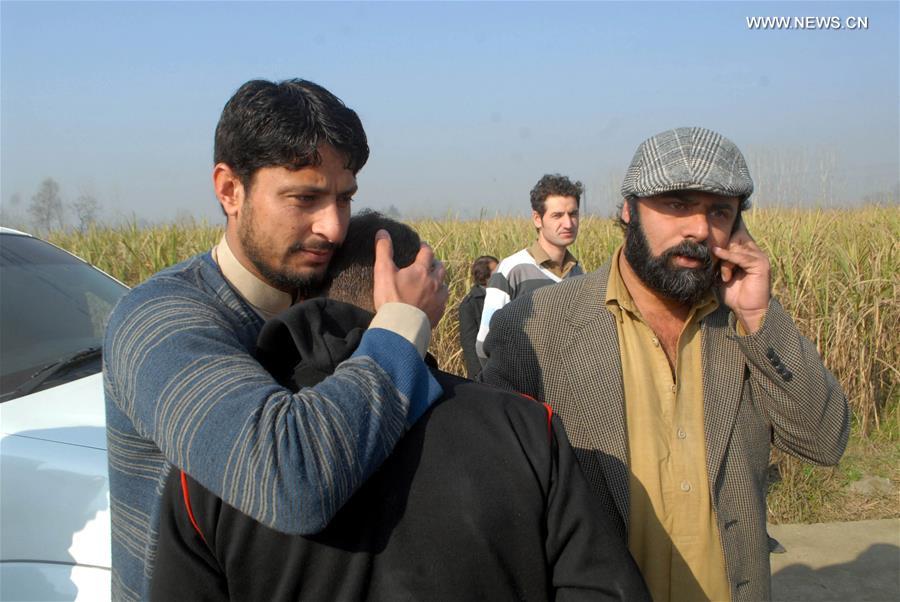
x,y
827,23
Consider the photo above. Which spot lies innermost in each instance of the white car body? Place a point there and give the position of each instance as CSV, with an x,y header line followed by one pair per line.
x,y
55,524
54,490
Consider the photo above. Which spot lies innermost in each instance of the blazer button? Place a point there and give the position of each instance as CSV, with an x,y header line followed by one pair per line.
x,y
788,375
770,353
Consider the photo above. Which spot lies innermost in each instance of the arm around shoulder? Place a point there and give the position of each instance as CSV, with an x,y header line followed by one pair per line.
x,y
177,365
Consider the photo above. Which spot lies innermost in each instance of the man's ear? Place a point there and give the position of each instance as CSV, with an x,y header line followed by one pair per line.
x,y
229,189
537,219
626,211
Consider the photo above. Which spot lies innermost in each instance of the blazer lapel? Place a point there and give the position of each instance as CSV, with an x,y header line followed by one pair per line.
x,y
723,372
596,383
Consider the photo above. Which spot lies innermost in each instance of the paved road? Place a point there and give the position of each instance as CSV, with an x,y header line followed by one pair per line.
x,y
845,562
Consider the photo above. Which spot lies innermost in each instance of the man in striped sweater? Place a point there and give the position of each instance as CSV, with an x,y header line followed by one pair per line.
x,y
182,385
555,201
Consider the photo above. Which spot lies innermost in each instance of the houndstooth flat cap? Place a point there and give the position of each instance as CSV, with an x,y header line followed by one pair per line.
x,y
688,159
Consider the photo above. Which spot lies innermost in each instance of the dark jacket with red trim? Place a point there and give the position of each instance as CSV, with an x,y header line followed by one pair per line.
x,y
481,500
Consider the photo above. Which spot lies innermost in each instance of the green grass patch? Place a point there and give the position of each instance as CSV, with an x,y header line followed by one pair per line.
x,y
801,493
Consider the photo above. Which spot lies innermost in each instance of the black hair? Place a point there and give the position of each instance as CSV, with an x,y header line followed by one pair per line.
x,y
481,269
281,124
352,269
554,185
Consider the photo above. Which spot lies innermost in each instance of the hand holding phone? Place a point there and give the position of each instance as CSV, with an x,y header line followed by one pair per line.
x,y
746,278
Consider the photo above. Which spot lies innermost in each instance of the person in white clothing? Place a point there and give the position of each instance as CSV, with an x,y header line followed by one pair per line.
x,y
555,201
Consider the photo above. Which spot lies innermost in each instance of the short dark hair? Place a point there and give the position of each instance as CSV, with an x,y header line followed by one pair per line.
x,y
554,185
481,269
352,269
281,124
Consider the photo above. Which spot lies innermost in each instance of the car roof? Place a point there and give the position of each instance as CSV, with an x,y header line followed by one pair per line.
x,y
5,230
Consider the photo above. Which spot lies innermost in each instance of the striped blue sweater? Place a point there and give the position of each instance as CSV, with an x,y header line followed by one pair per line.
x,y
182,388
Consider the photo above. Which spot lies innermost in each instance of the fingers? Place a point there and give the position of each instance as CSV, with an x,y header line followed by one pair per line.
x,y
726,270
433,293
384,250
747,258
746,278
420,284
439,272
727,265
384,272
425,257
741,252
741,257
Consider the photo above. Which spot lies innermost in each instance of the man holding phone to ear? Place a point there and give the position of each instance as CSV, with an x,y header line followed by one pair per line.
x,y
674,370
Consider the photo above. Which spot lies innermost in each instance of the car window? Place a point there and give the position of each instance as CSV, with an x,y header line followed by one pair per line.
x,y
52,306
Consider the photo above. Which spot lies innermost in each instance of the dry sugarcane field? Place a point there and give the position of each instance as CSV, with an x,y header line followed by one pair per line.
x,y
834,270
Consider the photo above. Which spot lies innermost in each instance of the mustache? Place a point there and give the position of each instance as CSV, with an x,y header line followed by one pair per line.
x,y
317,246
690,250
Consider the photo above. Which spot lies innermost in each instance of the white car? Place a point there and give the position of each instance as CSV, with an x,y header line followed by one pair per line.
x,y
54,489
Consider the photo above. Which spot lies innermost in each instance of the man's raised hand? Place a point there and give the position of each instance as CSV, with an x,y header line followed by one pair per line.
x,y
746,274
420,284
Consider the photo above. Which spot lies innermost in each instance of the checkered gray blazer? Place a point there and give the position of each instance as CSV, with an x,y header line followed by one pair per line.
x,y
560,346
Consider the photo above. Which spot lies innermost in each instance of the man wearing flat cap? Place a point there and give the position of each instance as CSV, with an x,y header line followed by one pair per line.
x,y
674,370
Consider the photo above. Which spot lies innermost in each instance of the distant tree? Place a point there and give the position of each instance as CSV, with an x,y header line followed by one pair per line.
x,y
883,197
86,208
9,212
46,207
392,212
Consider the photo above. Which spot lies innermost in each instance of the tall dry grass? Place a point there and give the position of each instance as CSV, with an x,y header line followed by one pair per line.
x,y
835,271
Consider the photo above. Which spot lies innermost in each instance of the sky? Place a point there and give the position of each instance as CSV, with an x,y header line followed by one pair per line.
x,y
466,104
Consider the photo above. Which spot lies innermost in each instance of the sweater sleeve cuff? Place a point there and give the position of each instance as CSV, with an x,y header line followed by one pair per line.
x,y
408,321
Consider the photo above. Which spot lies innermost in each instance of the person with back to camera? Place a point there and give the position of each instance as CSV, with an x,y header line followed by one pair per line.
x,y
482,499
469,312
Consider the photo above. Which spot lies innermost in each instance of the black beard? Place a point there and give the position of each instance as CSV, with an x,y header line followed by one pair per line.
x,y
303,287
685,285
